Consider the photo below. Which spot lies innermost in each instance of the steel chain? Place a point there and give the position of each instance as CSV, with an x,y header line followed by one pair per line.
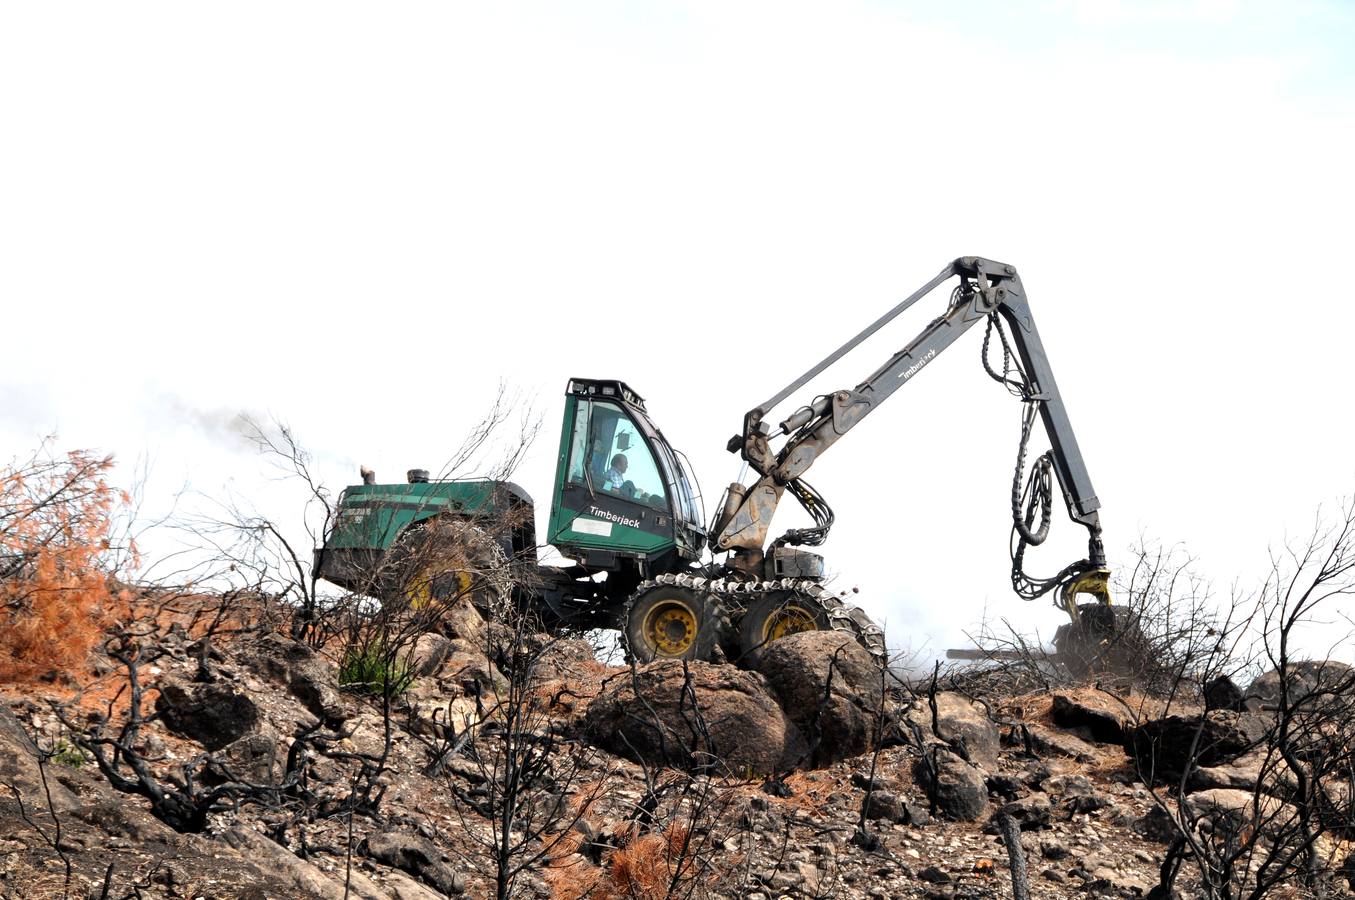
x,y
844,617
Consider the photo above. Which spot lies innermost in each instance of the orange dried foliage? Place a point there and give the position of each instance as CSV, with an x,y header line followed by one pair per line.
x,y
642,869
59,571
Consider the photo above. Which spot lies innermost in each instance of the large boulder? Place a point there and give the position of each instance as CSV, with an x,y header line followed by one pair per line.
x,y
252,758
214,714
291,875
307,675
1232,811
416,855
830,687
1257,767
1321,698
19,766
1166,748
695,716
462,620
1102,719
962,723
1223,693
958,788
429,653
1315,683
456,662
1101,716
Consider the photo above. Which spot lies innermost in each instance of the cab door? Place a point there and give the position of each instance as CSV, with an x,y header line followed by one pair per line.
x,y
610,492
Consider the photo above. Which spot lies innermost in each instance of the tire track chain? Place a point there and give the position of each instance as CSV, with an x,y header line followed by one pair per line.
x,y
841,616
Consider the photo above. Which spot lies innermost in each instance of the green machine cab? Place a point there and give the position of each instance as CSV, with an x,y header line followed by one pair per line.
x,y
623,501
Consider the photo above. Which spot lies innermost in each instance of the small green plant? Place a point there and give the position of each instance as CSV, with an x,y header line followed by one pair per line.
x,y
67,754
372,668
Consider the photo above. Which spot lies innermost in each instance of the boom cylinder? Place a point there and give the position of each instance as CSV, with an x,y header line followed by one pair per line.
x,y
733,500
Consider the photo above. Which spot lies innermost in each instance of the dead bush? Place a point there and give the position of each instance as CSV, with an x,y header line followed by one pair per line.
x,y
59,569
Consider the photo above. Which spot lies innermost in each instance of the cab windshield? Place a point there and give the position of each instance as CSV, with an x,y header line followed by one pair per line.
x,y
609,453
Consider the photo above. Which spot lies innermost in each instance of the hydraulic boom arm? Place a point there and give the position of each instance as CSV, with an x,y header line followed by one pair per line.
x,y
987,290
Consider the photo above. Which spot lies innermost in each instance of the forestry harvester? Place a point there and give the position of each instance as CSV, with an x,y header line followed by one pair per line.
x,y
625,511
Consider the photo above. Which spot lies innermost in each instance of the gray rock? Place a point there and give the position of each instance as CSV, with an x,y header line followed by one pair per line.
x,y
429,653
885,805
1255,768
303,878
563,659
1053,848
958,787
1085,803
462,620
310,678
1236,810
1165,748
1337,806
252,758
213,714
1157,825
1030,813
880,781
1310,683
1120,881
416,855
916,814
118,818
830,688
1348,870
962,721
467,667
19,766
1074,785
1077,793
1104,719
402,887
708,715
1223,693
1061,743
1009,787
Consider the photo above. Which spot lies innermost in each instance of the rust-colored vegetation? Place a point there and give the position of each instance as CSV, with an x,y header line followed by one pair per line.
x,y
649,866
58,566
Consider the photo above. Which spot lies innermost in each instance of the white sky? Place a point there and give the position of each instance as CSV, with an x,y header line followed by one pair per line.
x,y
360,218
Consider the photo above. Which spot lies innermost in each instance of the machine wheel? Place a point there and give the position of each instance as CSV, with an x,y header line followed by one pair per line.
x,y
776,615
668,622
453,558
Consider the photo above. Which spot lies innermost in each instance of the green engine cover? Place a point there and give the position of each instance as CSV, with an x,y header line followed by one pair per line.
x,y
371,517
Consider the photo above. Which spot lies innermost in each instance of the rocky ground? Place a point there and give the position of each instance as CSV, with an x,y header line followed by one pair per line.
x,y
805,778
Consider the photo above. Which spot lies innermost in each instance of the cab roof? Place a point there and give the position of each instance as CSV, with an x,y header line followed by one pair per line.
x,y
603,387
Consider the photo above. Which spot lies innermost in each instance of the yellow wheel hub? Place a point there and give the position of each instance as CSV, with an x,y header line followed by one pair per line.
x,y
670,628
421,592
788,619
